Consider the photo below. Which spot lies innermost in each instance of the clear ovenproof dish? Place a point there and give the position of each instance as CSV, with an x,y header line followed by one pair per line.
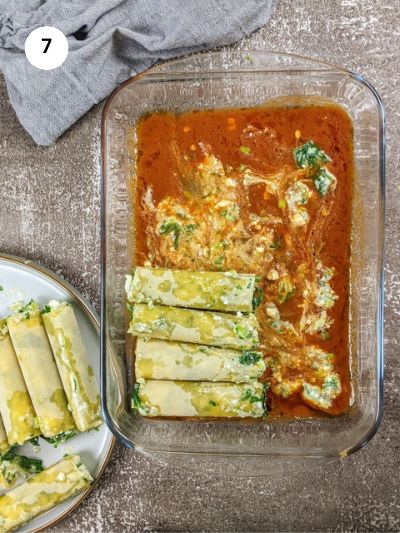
x,y
245,79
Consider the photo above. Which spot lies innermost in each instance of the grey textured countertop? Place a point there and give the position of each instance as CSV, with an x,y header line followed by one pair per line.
x,y
50,212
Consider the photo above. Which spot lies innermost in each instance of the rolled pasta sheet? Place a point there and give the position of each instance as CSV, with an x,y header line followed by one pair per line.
x,y
220,291
168,360
200,327
4,445
199,399
16,407
73,364
39,369
43,492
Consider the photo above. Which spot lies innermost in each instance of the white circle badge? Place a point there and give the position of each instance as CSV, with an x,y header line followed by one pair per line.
x,y
46,48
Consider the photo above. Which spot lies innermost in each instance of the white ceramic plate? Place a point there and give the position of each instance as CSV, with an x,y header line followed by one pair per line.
x,y
21,279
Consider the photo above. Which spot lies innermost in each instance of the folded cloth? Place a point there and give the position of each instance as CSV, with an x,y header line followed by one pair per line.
x,y
109,41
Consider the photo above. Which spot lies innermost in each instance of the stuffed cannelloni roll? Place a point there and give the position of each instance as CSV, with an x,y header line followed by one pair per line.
x,y
16,407
73,364
199,399
159,359
42,492
39,369
14,466
221,291
4,445
188,325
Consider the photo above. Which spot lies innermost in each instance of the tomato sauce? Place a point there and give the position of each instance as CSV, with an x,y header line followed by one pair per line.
x,y
171,146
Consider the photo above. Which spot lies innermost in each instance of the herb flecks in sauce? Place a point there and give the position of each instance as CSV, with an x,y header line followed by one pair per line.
x,y
173,228
245,150
275,210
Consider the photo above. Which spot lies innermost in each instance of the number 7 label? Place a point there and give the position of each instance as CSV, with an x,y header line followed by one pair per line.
x,y
47,45
46,48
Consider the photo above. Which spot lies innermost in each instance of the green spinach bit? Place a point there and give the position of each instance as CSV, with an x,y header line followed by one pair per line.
x,y
219,262
245,150
242,332
61,438
286,290
34,441
309,155
323,179
27,464
130,308
189,228
258,297
136,403
248,396
249,358
172,228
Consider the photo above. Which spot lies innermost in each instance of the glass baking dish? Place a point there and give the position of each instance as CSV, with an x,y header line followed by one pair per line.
x,y
245,79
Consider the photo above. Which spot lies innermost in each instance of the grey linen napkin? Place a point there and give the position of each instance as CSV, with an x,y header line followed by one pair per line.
x,y
109,41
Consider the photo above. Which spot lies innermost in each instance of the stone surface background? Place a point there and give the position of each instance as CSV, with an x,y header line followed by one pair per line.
x,y
50,212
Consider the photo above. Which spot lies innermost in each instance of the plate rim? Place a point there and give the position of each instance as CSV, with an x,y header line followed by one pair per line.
x,y
94,318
